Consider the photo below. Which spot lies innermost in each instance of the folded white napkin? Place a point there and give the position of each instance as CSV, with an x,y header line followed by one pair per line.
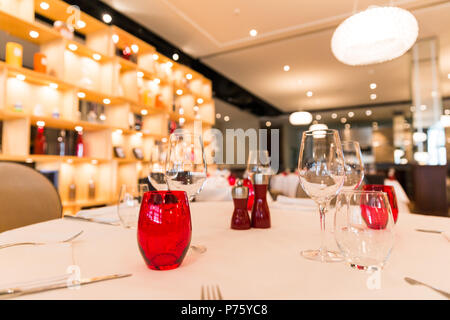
x,y
104,214
215,189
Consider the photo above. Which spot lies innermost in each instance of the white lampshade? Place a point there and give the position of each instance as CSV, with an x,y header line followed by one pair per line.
x,y
374,35
300,118
318,126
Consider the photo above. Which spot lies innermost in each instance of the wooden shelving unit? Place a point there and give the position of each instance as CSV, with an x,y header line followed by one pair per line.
x,y
89,70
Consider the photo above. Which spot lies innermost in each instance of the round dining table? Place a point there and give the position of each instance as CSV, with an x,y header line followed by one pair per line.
x,y
255,264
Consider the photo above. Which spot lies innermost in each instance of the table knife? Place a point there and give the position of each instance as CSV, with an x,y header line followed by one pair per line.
x,y
428,231
92,220
15,292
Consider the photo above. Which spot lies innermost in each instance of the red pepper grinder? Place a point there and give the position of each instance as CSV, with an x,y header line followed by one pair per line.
x,y
251,193
260,211
240,219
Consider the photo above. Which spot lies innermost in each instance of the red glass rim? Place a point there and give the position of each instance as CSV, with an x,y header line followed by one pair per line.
x,y
177,193
377,187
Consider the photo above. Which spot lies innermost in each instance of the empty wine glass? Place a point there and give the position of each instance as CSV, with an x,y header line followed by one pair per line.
x,y
364,228
156,174
322,175
354,166
130,199
185,167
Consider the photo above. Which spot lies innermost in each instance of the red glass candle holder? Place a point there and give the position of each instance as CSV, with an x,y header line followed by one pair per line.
x,y
164,229
389,190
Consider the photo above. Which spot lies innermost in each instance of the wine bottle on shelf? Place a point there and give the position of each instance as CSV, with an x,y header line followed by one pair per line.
x,y
40,143
91,192
80,145
72,190
62,143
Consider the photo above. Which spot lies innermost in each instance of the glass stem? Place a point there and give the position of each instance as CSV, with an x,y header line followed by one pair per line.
x,y
323,248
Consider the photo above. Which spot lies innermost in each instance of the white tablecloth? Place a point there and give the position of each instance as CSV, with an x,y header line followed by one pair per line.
x,y
251,264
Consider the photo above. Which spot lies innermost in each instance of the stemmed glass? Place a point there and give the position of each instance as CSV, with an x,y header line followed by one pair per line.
x,y
322,174
130,199
157,175
354,166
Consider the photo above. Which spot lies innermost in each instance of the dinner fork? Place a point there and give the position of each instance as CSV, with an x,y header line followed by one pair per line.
x,y
416,282
39,243
211,293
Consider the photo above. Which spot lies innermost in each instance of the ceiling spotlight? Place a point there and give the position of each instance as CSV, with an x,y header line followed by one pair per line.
x,y
179,92
253,33
175,56
412,108
182,120
199,100
81,95
107,18
135,48
53,85
343,120
102,117
189,76
140,74
155,57
309,94
300,118
334,115
144,112
169,64
81,24
78,128
106,101
351,114
73,46
20,77
368,112
96,56
373,86
115,38
34,34
373,96
44,5
40,123
423,107
226,118
164,140
318,117
218,116
286,68
268,123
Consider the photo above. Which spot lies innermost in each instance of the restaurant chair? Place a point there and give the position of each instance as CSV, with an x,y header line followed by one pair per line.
x,y
26,197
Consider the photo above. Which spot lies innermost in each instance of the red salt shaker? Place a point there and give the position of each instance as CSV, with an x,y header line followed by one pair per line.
x,y
260,211
240,219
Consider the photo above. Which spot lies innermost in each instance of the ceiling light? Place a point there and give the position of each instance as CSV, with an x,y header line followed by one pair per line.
x,y
268,124
20,77
44,5
73,46
334,115
199,100
374,35
40,123
175,56
423,107
53,85
135,48
368,112
318,126
179,92
164,140
343,120
96,56
78,128
102,117
81,24
181,120
34,34
218,115
300,118
286,68
373,96
106,101
144,112
140,74
115,38
226,118
318,117
181,111
253,33
351,114
309,94
155,57
373,86
81,95
189,76
107,18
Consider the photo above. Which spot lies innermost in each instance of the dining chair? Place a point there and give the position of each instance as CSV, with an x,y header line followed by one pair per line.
x,y
26,197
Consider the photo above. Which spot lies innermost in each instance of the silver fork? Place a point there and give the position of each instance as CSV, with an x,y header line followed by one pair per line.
x,y
211,293
39,243
414,282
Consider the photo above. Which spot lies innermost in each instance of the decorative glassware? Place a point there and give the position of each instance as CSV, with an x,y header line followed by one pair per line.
x,y
322,174
164,229
389,190
40,142
130,200
354,166
364,228
157,174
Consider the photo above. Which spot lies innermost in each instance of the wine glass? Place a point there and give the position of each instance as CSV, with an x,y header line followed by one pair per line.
x,y
130,199
390,192
157,175
354,166
322,174
364,228
185,167
258,162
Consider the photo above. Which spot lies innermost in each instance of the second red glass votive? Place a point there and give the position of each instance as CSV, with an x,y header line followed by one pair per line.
x,y
164,229
390,193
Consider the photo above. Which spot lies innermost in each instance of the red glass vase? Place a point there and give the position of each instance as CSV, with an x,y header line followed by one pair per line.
x,y
389,190
80,145
164,229
40,143
251,193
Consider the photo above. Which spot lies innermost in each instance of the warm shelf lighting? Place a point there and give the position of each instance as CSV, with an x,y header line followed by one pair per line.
x,y
115,38
309,94
144,112
34,34
419,137
423,107
170,64
40,123
20,77
196,108
300,118
374,35
53,85
119,131
373,96
181,111
44,5
140,74
226,118
286,68
102,117
135,48
81,24
69,161
189,76
175,56
155,57
368,113
107,18
182,120
199,100
373,86
253,33
218,116
106,101
78,128
351,114
81,95
268,124
94,161
334,115
318,117
179,92
73,46
96,56
164,140
157,81
139,134
29,160
343,120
